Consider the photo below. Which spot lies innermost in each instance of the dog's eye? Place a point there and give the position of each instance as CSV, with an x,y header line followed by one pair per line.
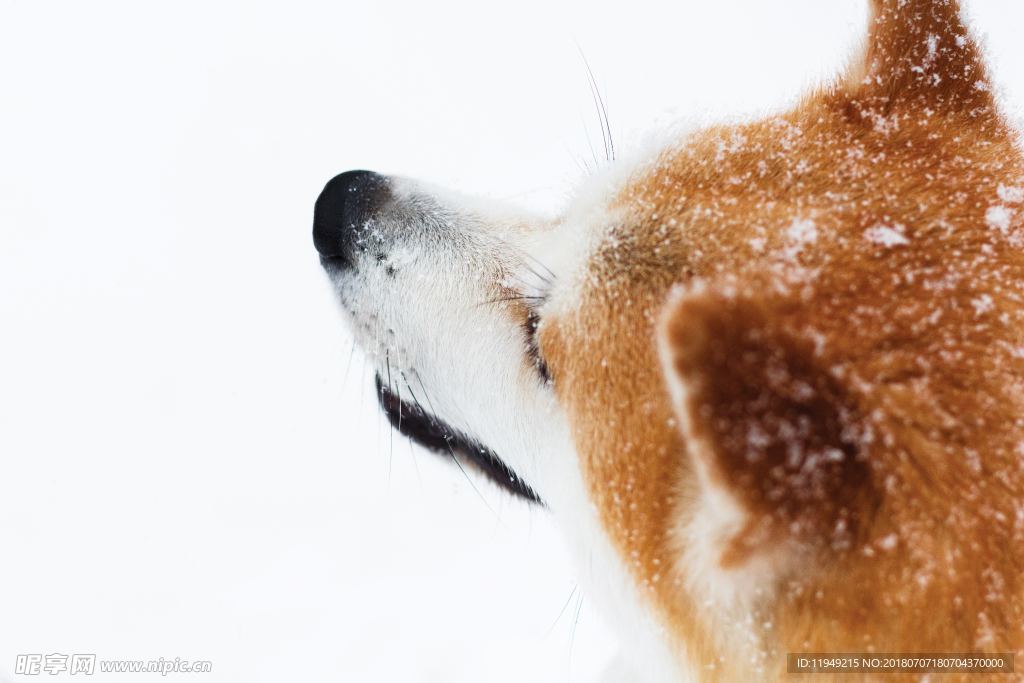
x,y
533,346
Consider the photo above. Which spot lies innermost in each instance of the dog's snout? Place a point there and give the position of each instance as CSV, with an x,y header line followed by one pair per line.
x,y
342,210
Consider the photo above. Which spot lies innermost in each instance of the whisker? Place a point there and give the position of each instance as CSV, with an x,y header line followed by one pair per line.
x,y
391,432
543,278
581,163
505,299
575,623
522,285
412,393
348,366
561,611
412,444
602,110
590,144
513,249
600,118
455,457
546,280
362,383
551,274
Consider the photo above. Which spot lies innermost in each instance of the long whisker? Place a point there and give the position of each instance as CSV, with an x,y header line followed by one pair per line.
x,y
455,457
398,393
561,611
412,393
348,366
590,145
580,162
514,250
517,297
391,432
362,383
575,623
602,110
551,273
543,278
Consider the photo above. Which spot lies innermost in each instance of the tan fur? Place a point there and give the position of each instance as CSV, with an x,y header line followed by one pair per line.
x,y
855,266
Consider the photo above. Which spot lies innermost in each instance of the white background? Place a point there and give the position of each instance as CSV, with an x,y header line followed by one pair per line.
x,y
187,468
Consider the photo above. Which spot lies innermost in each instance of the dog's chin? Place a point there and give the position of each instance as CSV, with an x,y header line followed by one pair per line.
x,y
434,434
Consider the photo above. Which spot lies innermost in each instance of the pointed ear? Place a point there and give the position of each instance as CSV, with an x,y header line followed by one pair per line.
x,y
768,426
920,50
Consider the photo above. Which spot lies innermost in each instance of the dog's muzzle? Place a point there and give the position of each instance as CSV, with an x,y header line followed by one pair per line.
x,y
342,223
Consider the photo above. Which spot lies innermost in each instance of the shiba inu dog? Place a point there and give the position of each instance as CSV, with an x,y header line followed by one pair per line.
x,y
769,381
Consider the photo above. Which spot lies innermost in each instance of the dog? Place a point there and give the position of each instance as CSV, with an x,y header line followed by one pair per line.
x,y
769,381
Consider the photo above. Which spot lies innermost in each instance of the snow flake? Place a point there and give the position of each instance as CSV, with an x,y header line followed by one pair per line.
x,y
887,236
998,218
803,231
888,542
933,49
1011,194
973,461
834,455
982,304
758,440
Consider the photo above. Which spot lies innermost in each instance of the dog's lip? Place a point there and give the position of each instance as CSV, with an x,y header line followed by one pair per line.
x,y
434,434
334,262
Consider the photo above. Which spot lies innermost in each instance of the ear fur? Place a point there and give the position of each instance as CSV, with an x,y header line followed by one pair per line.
x,y
769,426
920,52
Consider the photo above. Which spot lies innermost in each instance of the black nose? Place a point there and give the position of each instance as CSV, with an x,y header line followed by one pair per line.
x,y
342,210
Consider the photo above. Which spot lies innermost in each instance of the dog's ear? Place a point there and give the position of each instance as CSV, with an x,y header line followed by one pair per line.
x,y
920,52
766,424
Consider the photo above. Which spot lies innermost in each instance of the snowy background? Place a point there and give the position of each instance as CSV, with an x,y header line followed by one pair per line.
x,y
192,461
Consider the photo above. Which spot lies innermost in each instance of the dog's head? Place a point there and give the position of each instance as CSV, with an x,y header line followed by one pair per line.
x,y
770,378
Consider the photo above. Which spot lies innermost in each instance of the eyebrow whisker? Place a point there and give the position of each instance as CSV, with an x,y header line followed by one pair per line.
x,y
515,297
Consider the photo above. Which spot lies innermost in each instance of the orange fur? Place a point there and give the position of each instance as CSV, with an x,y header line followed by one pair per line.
x,y
867,247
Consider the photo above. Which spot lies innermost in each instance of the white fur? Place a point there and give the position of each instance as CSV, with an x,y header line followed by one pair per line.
x,y
430,327
729,597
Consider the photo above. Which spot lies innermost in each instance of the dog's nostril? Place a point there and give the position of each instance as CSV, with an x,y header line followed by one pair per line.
x,y
342,209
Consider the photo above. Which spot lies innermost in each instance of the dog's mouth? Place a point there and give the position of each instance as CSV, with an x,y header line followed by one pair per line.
x,y
411,420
